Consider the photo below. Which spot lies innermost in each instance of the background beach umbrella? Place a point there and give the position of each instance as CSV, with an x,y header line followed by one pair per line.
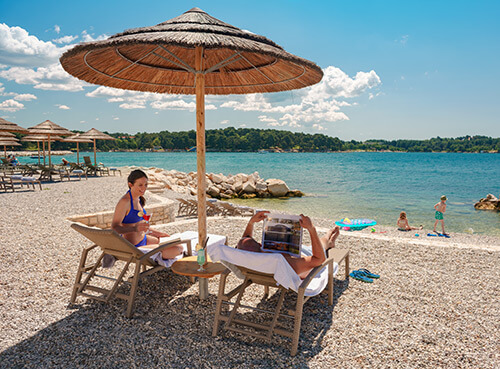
x,y
38,139
48,128
6,126
193,53
8,141
77,138
95,134
7,137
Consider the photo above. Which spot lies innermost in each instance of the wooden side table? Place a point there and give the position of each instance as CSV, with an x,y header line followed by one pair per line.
x,y
189,267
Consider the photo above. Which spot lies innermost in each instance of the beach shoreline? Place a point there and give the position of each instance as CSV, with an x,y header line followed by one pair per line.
x,y
425,311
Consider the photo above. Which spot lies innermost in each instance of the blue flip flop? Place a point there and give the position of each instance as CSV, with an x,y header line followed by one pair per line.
x,y
443,235
367,273
431,235
360,277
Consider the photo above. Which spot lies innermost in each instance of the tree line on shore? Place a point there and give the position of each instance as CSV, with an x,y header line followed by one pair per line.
x,y
252,139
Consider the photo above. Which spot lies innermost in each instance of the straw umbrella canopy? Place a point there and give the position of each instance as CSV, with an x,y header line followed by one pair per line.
x,y
77,138
7,126
48,128
193,53
38,139
7,140
95,134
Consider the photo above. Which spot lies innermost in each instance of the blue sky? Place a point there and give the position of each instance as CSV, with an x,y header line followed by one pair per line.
x,y
392,69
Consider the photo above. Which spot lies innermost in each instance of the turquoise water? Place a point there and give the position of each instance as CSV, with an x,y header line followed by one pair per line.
x,y
357,185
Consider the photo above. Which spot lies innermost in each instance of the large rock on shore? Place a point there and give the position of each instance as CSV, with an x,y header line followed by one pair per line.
x,y
490,202
277,187
220,186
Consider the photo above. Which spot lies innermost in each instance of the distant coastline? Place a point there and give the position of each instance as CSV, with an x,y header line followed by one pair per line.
x,y
270,140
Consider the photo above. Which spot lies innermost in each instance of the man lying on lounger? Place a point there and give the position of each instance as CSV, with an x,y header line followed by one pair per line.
x,y
304,264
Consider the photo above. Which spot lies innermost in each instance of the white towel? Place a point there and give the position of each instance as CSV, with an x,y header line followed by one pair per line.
x,y
270,263
188,235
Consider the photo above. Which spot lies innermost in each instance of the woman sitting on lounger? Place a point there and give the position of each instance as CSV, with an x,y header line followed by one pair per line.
x,y
128,217
304,264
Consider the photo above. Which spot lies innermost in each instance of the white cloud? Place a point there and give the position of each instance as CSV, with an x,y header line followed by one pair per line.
x,y
103,91
242,125
225,121
82,121
11,105
65,39
403,40
319,127
57,29
86,37
116,118
132,106
178,105
19,48
116,99
319,103
24,97
52,77
63,107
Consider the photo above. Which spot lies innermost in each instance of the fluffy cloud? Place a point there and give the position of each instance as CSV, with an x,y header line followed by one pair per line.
x,y
11,105
225,121
179,105
57,29
52,77
19,48
65,39
132,106
86,37
63,107
319,103
24,97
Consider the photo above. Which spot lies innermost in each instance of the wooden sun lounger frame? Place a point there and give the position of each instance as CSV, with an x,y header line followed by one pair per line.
x,y
111,243
267,280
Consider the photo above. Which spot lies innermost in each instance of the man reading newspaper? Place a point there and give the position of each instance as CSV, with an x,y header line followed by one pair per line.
x,y
302,265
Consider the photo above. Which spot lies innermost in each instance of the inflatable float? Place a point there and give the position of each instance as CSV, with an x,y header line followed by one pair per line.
x,y
355,224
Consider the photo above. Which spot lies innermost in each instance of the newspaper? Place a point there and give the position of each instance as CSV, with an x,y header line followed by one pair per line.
x,y
282,233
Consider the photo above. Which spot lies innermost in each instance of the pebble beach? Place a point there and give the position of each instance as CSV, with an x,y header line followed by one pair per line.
x,y
436,304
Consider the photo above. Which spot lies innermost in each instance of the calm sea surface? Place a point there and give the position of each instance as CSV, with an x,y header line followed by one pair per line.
x,y
357,185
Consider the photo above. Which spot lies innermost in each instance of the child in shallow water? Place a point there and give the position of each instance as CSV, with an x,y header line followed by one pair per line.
x,y
440,208
403,223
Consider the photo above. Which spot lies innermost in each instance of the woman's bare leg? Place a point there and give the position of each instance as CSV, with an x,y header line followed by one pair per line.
x,y
169,253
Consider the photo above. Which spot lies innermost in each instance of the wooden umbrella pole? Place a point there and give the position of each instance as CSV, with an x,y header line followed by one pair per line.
x,y
77,154
200,145
43,146
38,147
50,161
95,155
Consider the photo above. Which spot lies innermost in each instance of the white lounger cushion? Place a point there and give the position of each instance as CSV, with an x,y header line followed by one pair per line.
x,y
270,263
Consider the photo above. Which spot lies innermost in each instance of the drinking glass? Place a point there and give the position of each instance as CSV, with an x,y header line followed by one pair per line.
x,y
147,217
201,259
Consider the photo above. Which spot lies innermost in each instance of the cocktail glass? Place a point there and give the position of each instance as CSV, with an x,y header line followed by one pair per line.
x,y
147,217
201,259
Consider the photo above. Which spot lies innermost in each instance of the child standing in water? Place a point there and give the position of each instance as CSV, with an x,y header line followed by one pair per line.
x,y
440,208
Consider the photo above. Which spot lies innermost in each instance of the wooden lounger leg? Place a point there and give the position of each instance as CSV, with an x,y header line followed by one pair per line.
x,y
81,267
218,308
297,323
245,284
133,288
276,314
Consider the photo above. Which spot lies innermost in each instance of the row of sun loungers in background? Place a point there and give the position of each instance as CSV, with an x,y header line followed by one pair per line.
x,y
188,207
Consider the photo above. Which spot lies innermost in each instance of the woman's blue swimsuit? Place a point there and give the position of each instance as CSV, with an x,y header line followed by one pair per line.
x,y
133,217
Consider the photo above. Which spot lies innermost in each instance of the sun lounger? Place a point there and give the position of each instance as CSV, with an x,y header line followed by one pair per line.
x,y
232,210
111,243
270,270
187,207
95,170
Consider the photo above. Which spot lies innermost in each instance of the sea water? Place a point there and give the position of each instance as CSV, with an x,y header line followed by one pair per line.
x,y
356,185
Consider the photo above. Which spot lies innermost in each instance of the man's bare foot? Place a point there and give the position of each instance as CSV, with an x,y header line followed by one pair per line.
x,y
329,240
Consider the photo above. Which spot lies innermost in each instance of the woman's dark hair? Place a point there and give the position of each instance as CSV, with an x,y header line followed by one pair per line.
x,y
134,176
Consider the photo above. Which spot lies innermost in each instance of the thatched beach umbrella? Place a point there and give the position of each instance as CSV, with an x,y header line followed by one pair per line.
x,y
42,139
8,141
193,53
77,138
49,129
6,126
95,134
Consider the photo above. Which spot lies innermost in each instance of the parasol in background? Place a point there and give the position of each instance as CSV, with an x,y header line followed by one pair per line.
x,y
94,134
78,139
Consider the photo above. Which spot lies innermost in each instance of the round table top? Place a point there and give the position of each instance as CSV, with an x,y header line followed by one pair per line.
x,y
188,266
